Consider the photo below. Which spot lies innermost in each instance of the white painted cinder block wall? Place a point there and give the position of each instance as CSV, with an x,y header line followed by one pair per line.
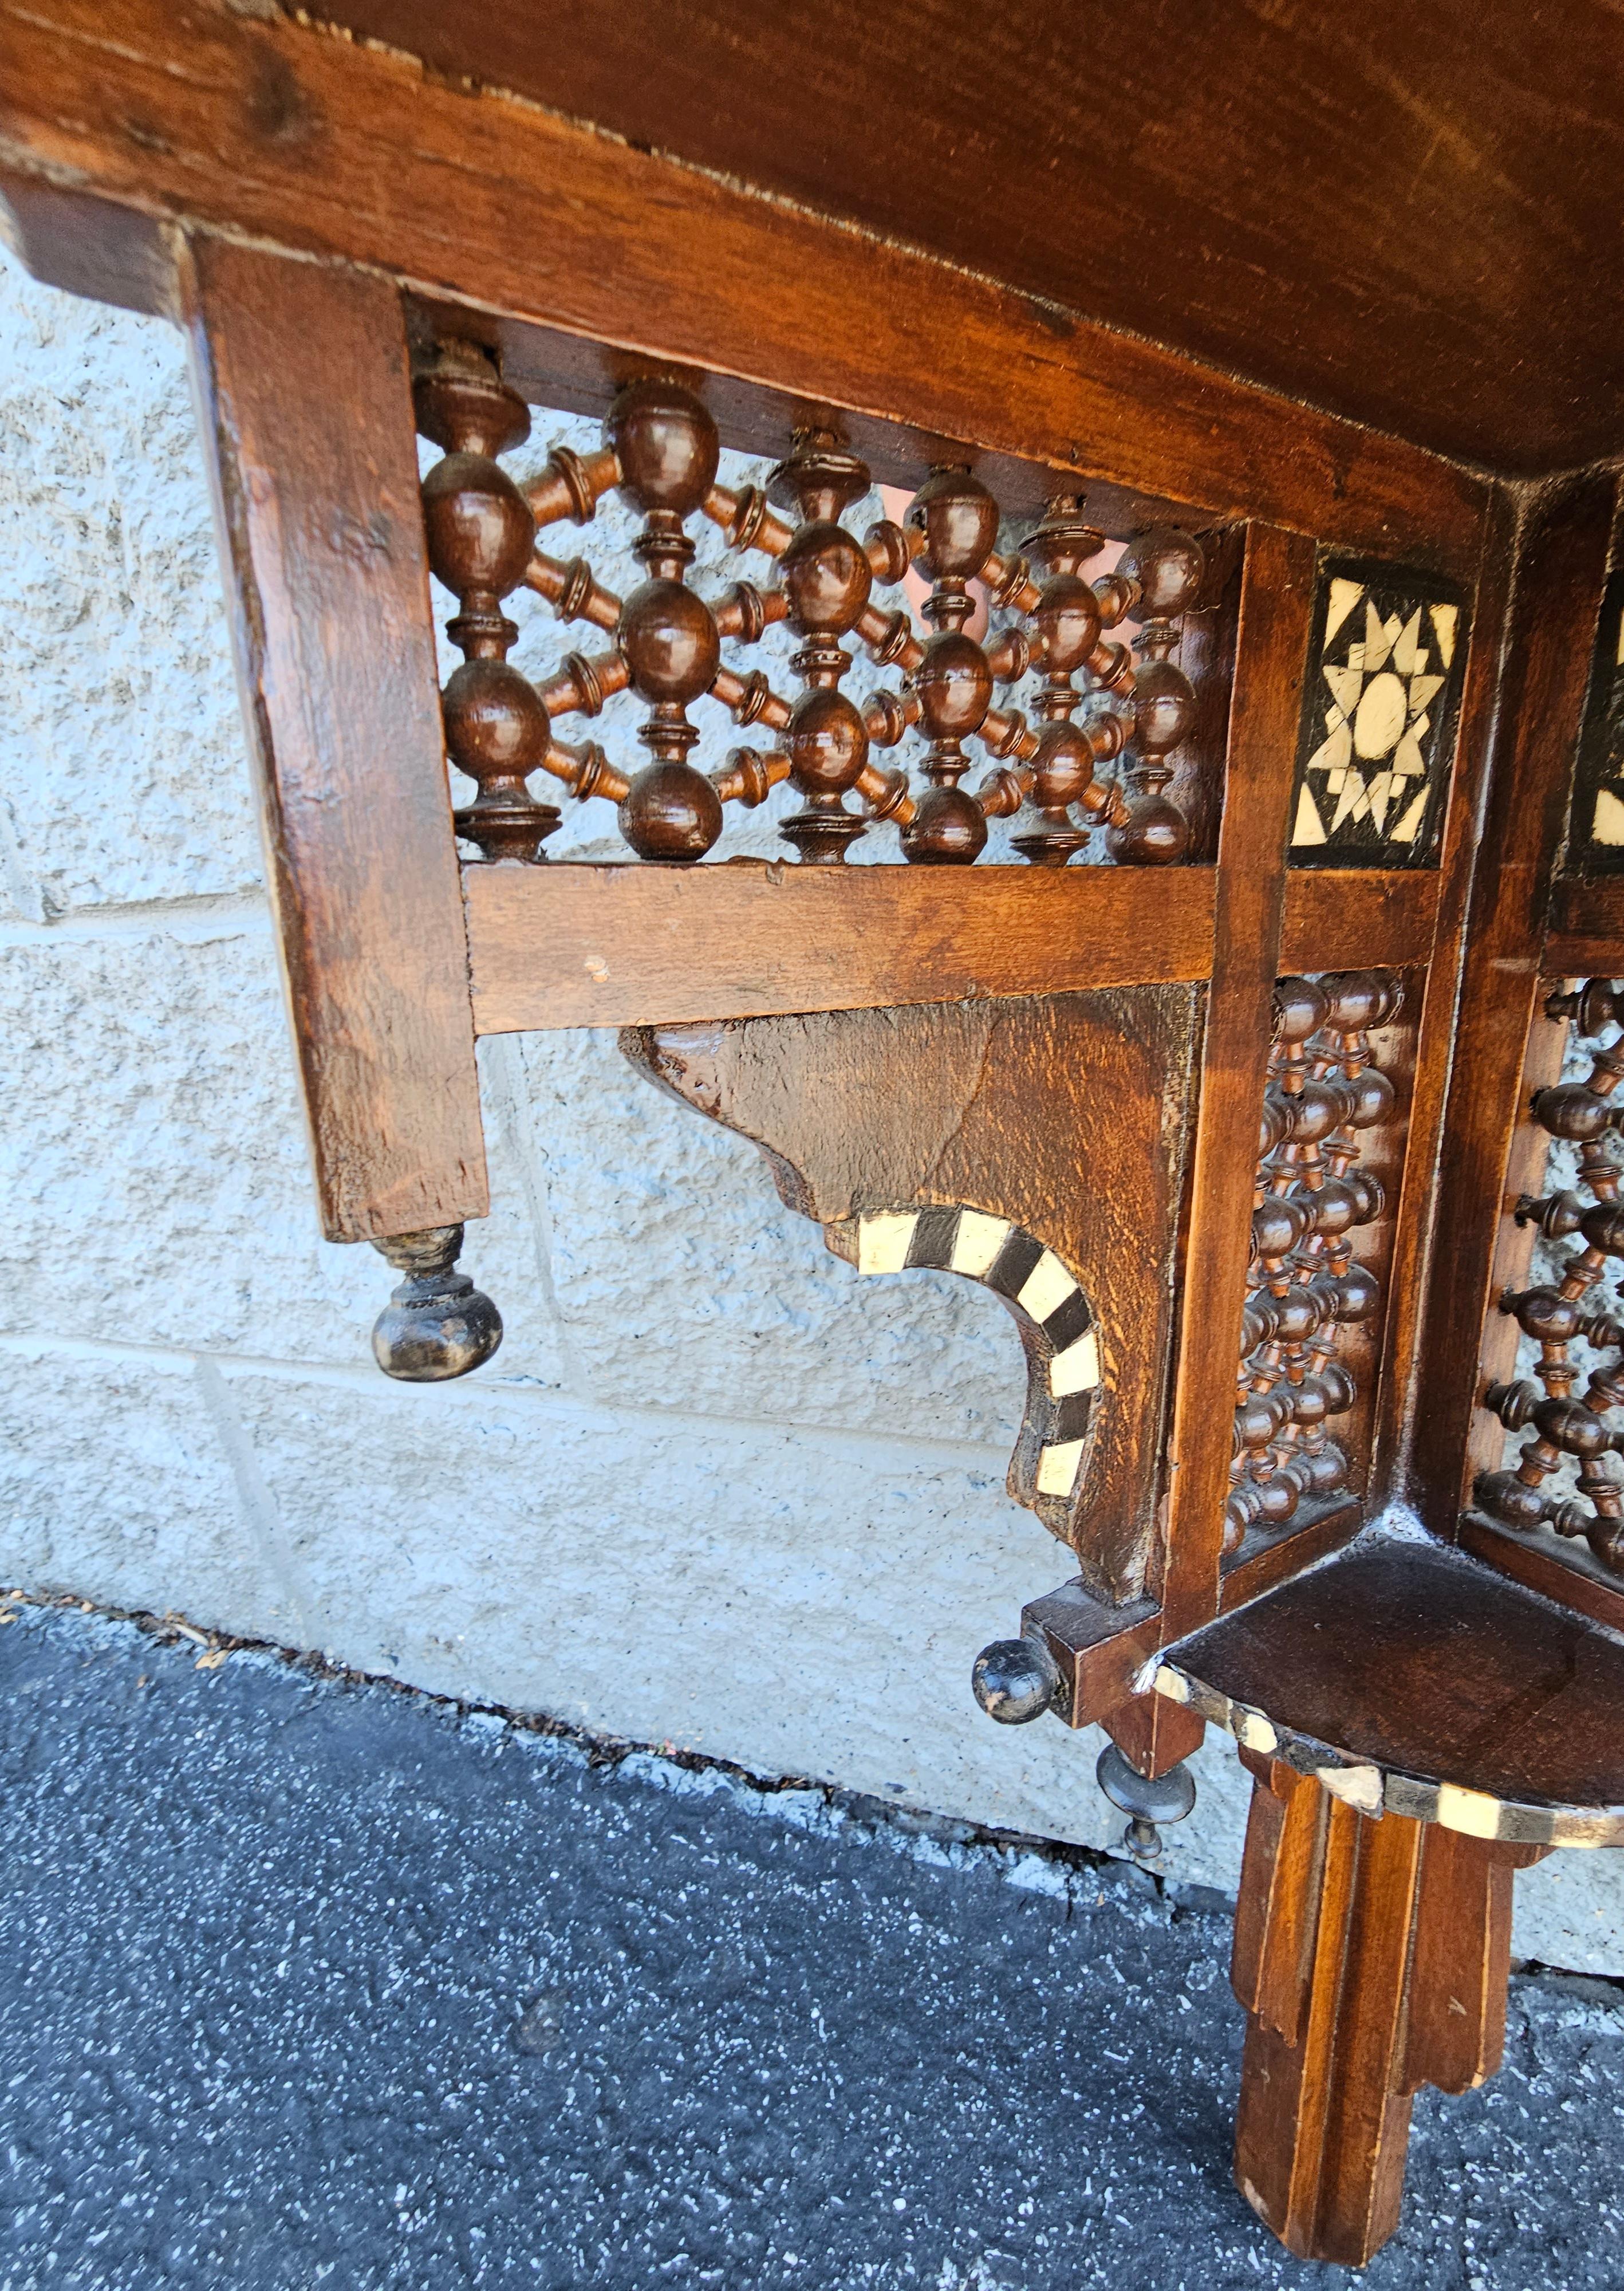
x,y
712,1492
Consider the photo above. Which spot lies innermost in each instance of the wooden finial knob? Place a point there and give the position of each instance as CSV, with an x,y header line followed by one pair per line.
x,y
948,829
1166,566
480,532
1146,1799
826,579
669,638
827,743
1016,1681
1066,622
1154,833
436,1325
1299,1009
463,404
1572,1110
959,519
496,731
1164,707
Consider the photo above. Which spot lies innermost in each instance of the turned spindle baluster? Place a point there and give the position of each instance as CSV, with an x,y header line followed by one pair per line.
x,y
1567,1427
1163,570
953,681
1307,1285
827,575
480,532
667,448
1063,774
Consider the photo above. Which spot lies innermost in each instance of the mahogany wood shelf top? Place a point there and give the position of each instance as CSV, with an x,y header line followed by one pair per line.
x,y
1412,1681
1443,279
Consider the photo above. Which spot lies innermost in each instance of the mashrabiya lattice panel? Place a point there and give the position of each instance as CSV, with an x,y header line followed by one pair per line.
x,y
1096,703
1380,703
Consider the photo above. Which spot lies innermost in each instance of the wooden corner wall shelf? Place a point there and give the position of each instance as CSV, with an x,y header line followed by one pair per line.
x,y
1252,1216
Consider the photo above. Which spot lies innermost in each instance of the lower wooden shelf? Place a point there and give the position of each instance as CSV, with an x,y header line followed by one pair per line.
x,y
1410,1680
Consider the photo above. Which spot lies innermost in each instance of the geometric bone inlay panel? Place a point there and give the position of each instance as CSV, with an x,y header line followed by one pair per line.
x,y
1595,832
1377,734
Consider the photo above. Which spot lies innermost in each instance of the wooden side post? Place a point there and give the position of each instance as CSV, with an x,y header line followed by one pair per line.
x,y
305,409
1561,566
1271,649
1373,1957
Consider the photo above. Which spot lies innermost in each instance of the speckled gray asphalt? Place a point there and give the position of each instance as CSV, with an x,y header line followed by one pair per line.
x,y
305,1980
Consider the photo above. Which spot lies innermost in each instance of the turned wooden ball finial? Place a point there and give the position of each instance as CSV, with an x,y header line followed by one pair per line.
x,y
948,829
436,1325
462,404
1016,1680
669,636
671,811
1166,566
959,519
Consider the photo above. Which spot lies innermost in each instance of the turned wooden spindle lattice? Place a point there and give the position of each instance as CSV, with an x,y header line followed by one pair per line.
x,y
661,452
1306,1287
1568,1426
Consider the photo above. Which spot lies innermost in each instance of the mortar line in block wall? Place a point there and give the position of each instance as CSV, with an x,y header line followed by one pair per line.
x,y
502,1067
198,915
20,885
960,1455
257,1505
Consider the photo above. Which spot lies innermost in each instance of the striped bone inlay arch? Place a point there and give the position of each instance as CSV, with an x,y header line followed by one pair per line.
x,y
1028,1275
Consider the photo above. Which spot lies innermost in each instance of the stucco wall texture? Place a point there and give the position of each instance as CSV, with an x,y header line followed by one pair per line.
x,y
713,1491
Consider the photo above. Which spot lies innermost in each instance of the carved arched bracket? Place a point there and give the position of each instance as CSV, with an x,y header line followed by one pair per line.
x,y
1048,1470
1058,1123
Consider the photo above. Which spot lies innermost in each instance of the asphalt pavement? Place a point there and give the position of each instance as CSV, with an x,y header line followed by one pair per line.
x,y
306,1980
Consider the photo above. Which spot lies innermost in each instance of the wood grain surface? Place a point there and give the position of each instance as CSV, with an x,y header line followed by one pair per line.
x,y
1586,934
1412,1659
1441,274
1560,565
1566,1572
315,496
255,124
579,945
638,946
1066,1115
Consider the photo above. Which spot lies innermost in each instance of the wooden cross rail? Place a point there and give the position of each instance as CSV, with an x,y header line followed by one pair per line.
x,y
587,946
